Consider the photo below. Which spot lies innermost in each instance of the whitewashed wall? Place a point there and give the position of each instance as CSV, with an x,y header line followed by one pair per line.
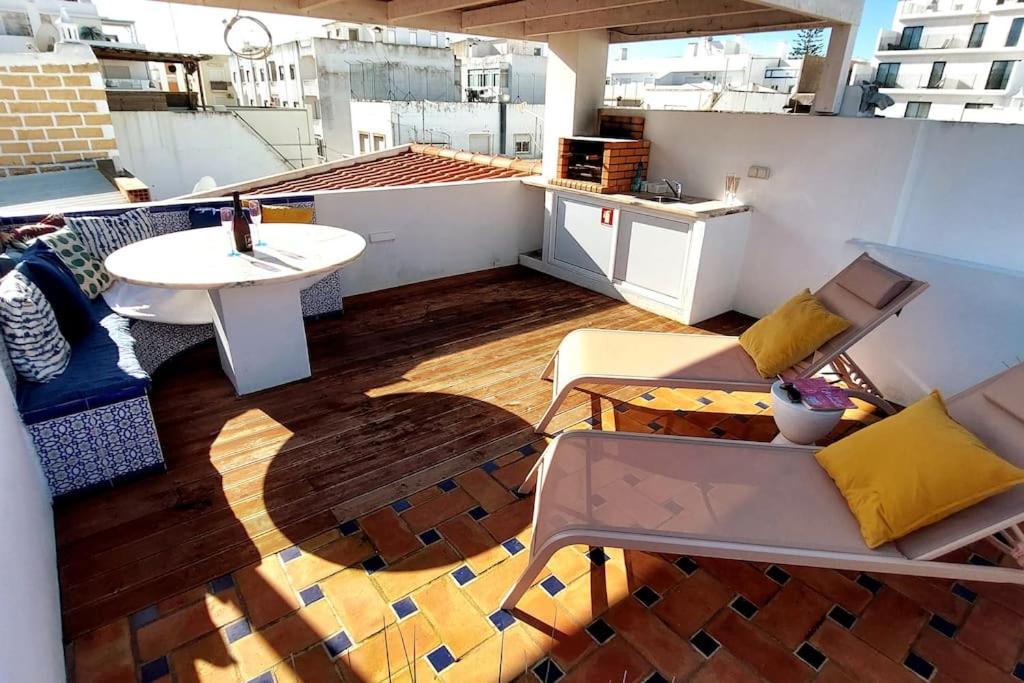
x,y
171,150
449,123
940,188
425,232
30,630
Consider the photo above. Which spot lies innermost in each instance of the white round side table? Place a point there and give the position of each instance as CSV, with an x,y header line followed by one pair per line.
x,y
799,424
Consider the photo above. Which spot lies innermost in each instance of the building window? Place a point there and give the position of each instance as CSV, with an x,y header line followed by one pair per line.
x,y
977,105
412,37
280,72
315,104
263,75
219,85
433,40
234,76
291,71
977,34
353,34
918,110
521,143
935,78
887,74
320,149
999,75
364,143
480,143
273,71
390,36
378,142
911,38
15,24
1014,36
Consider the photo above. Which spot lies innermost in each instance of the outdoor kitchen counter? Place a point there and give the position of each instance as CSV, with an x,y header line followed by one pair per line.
x,y
690,207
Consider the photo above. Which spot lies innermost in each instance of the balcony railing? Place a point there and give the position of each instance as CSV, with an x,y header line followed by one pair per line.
x,y
129,84
926,82
931,41
939,7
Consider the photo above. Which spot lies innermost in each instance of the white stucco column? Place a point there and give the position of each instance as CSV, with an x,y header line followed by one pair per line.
x,y
834,75
574,89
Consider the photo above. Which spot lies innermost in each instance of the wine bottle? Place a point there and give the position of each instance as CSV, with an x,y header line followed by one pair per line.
x,y
240,228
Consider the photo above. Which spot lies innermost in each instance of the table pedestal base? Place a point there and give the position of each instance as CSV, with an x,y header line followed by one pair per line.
x,y
261,336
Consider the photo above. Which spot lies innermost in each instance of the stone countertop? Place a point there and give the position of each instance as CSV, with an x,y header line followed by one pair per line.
x,y
691,207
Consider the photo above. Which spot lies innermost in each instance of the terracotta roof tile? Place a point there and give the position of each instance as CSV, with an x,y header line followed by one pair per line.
x,y
419,165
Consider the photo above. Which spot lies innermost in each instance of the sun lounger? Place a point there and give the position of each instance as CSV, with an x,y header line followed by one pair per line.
x,y
718,362
761,502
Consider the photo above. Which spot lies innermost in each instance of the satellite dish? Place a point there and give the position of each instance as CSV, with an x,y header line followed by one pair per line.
x,y
205,184
46,36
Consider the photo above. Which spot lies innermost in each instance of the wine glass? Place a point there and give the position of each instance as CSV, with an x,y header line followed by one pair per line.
x,y
227,220
256,217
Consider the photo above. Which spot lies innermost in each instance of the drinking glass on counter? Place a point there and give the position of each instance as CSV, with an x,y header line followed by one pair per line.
x,y
732,187
227,218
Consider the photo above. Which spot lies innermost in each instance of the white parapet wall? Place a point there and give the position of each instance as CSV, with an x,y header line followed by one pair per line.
x,y
423,232
31,648
943,197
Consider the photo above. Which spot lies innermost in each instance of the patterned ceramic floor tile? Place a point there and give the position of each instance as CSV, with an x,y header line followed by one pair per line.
x,y
446,554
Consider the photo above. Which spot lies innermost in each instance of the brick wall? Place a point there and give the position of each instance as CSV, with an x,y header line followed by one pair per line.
x,y
618,161
53,111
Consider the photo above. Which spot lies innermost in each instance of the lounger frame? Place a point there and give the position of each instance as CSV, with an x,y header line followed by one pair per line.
x,y
835,355
681,545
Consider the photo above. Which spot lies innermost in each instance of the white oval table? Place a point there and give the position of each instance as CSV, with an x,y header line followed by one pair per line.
x,y
257,312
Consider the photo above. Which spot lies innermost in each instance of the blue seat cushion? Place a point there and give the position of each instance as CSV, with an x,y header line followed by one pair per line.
x,y
103,370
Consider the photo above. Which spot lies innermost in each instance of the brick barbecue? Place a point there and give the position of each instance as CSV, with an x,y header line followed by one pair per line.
x,y
603,165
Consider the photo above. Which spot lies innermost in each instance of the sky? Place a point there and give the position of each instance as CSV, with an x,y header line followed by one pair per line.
x,y
189,28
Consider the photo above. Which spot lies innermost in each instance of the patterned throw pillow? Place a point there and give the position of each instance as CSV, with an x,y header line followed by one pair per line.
x,y
103,235
38,351
92,277
23,236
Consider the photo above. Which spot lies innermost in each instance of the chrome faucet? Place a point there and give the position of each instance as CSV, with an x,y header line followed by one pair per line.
x,y
675,187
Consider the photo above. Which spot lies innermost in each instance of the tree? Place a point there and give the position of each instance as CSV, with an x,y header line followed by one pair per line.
x,y
808,42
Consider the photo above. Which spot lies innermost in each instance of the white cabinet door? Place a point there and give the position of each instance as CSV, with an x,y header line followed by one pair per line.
x,y
651,253
580,239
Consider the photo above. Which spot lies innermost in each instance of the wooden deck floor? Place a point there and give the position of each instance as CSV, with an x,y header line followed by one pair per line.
x,y
409,387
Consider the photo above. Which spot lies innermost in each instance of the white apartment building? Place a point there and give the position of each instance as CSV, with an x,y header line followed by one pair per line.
x,y
710,74
34,26
954,60
483,127
325,75
502,70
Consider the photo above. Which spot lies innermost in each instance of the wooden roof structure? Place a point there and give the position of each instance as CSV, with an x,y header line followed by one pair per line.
x,y
626,20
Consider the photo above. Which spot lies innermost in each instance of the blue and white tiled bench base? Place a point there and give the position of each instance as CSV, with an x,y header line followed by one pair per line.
x,y
98,446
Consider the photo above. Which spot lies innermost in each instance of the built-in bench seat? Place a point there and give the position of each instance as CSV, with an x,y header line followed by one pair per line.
x,y
103,370
93,425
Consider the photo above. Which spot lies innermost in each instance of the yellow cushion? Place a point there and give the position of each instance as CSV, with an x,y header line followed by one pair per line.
x,y
286,214
913,469
790,333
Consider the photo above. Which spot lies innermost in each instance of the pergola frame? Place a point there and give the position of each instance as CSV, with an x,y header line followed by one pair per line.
x,y
626,20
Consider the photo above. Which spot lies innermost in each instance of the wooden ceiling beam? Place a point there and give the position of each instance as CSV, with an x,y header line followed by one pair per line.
x,y
667,10
358,11
526,10
408,9
712,26
314,5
